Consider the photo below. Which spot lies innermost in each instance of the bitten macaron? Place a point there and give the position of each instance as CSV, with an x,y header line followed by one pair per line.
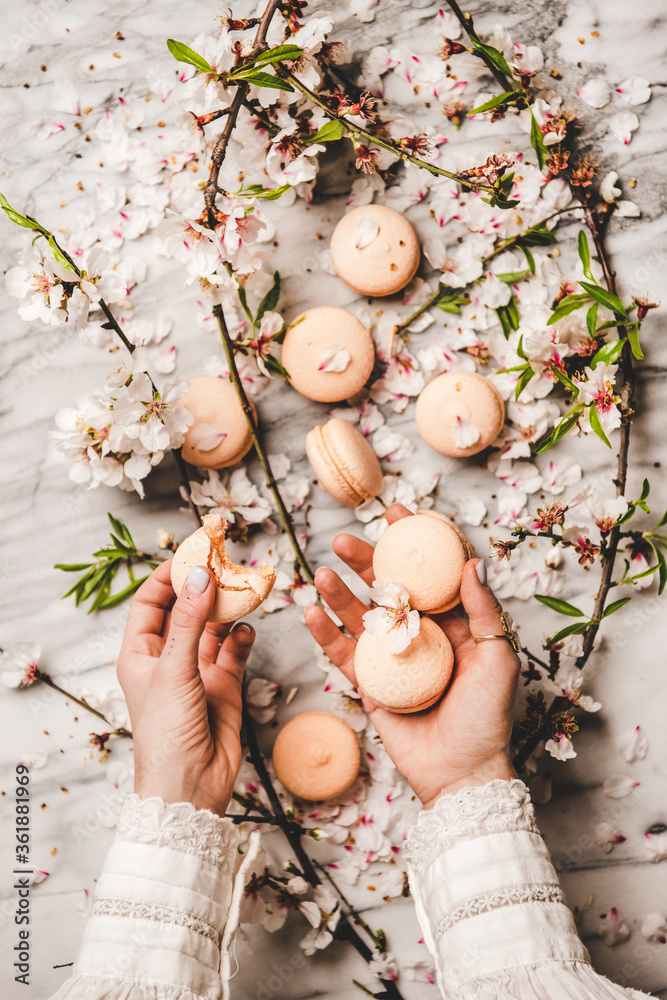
x,y
345,464
316,756
426,553
219,435
375,250
405,682
460,413
239,589
328,353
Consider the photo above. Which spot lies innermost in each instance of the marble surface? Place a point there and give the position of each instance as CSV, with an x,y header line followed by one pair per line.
x,y
45,518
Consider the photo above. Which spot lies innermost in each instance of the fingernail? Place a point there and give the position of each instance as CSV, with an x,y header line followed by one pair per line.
x,y
245,629
480,569
197,580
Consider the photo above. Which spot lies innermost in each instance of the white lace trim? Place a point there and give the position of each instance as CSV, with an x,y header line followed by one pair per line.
x,y
156,912
181,827
532,893
476,811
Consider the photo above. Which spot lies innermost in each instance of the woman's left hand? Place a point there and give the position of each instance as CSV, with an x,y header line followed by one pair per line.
x,y
181,677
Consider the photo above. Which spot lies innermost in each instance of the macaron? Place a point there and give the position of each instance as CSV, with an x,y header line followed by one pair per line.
x,y
345,464
239,589
316,756
426,553
328,353
375,250
409,681
460,413
219,434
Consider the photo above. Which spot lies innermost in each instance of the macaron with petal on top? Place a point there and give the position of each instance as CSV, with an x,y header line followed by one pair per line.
x,y
328,353
460,413
219,434
375,250
405,682
239,589
346,466
316,756
426,553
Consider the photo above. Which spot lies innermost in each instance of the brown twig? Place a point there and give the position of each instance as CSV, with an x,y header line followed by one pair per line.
x,y
45,678
466,21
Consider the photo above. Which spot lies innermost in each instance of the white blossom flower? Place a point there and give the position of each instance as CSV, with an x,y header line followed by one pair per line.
x,y
608,190
393,615
598,388
560,747
321,934
612,928
233,495
261,699
471,509
19,664
567,683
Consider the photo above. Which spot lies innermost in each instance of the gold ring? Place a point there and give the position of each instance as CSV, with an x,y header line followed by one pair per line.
x,y
508,633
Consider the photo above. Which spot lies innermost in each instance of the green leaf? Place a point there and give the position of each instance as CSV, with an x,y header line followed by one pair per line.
x,y
565,424
591,320
266,80
257,191
596,425
72,567
20,220
275,366
183,53
104,588
93,582
509,317
243,299
638,576
663,520
270,300
562,607
646,489
616,606
662,568
510,277
608,353
537,141
509,97
566,306
562,377
452,301
330,132
277,54
536,236
115,599
493,55
605,298
584,254
59,255
525,377
577,629
633,338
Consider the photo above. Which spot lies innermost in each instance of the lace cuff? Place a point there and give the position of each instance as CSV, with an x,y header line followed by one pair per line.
x,y
477,811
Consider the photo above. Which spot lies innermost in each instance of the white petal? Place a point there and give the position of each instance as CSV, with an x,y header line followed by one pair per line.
x,y
464,432
654,928
334,359
377,621
471,509
596,92
623,125
634,90
634,746
367,232
389,594
618,786
206,437
311,912
399,640
561,748
627,210
608,191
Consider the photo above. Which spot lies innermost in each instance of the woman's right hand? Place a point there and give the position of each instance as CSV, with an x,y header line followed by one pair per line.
x,y
463,739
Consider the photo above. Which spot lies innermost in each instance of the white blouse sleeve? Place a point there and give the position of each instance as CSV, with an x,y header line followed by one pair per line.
x,y
489,903
166,907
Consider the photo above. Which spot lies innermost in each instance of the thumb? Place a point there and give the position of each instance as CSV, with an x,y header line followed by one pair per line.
x,y
188,619
483,612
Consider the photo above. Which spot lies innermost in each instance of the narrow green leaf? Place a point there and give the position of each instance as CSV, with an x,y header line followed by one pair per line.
x,y
115,599
584,254
183,53
608,353
596,425
266,80
95,580
243,299
569,304
509,97
633,338
257,191
278,54
16,217
525,377
616,606
562,607
646,490
330,132
562,377
662,568
80,583
577,629
536,236
496,57
72,567
605,298
530,260
275,366
270,300
591,320
638,576
510,277
663,520
565,424
104,588
537,141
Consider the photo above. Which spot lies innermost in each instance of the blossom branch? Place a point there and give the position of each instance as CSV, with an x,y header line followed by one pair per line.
x,y
41,675
467,23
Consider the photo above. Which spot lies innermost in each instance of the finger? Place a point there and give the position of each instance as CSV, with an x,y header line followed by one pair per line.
x,y
188,620
211,640
341,600
357,554
236,649
149,606
396,512
483,612
338,647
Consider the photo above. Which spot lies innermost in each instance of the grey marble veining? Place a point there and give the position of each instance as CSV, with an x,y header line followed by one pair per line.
x,y
44,518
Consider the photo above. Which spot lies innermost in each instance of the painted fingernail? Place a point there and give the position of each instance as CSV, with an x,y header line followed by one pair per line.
x,y
245,629
197,580
480,569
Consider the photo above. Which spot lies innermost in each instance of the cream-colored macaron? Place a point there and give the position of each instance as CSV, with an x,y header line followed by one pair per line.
x,y
328,353
219,435
344,462
409,681
239,589
426,554
375,250
316,756
460,413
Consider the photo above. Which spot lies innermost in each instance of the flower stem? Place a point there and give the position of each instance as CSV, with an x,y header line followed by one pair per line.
x,y
467,23
45,678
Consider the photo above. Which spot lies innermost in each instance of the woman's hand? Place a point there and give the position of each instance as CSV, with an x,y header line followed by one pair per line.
x,y
182,681
463,739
